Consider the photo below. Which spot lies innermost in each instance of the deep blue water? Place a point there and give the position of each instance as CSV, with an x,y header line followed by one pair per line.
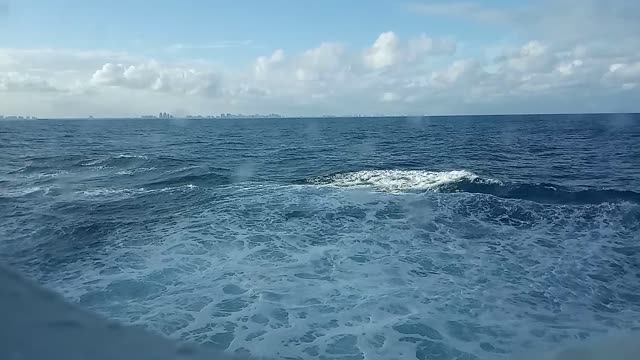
x,y
394,238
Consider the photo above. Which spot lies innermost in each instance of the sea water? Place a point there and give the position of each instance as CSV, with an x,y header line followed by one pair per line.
x,y
364,238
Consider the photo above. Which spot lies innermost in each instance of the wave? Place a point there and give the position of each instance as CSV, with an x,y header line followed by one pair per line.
x,y
34,172
545,193
17,193
110,192
134,171
197,176
454,181
398,180
121,160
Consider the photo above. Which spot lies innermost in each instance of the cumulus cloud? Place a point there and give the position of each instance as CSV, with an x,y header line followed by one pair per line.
x,y
624,75
532,57
155,77
24,83
389,50
265,64
325,61
569,68
384,52
456,72
109,74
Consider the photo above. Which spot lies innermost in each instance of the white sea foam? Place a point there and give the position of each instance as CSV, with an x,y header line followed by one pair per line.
x,y
400,180
134,171
56,331
49,174
105,159
293,271
111,192
126,192
129,156
92,162
14,193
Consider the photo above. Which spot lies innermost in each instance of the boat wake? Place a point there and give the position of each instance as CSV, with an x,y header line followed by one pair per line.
x,y
402,181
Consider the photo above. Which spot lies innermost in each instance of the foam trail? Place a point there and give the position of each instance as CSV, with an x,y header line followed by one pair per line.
x,y
398,180
38,324
406,181
623,347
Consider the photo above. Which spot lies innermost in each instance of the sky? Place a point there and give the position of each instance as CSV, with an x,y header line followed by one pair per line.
x,y
76,58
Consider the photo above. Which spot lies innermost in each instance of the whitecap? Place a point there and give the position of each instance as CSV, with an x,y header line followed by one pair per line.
x,y
110,192
400,180
134,171
126,192
128,156
15,193
92,162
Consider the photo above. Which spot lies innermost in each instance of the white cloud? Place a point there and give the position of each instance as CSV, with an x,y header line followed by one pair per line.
x,y
569,68
265,64
388,50
156,77
384,52
389,97
393,75
24,83
325,61
626,72
533,56
458,71
623,75
110,74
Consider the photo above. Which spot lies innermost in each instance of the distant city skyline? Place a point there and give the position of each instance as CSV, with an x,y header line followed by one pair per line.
x,y
68,58
17,117
165,115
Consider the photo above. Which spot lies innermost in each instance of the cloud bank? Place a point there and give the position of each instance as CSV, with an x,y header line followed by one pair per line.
x,y
573,57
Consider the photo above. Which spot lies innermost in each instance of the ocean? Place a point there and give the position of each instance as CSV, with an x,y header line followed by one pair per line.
x,y
345,238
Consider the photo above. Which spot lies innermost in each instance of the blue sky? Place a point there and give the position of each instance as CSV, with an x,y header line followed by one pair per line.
x,y
382,56
248,28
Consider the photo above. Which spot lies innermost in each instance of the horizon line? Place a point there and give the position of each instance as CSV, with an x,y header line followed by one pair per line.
x,y
270,116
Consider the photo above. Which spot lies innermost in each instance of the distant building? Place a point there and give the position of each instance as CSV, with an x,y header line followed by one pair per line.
x,y
164,115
